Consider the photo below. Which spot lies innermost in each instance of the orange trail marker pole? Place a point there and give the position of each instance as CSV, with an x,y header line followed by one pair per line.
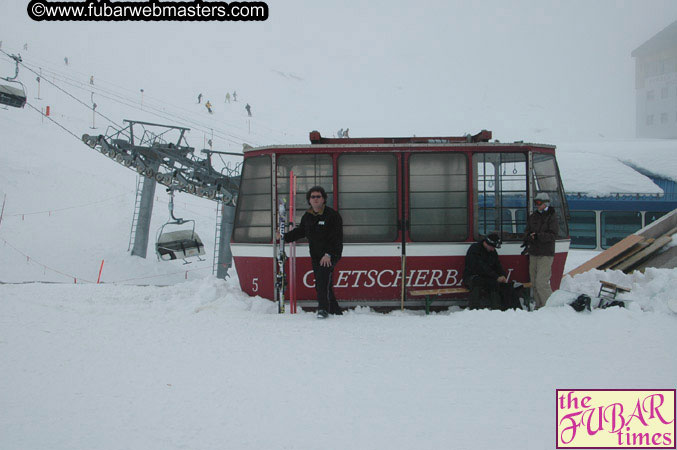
x,y
100,269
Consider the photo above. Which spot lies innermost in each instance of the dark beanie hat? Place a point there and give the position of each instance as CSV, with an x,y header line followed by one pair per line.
x,y
494,240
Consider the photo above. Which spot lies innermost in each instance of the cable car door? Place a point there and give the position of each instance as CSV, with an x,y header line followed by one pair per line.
x,y
434,208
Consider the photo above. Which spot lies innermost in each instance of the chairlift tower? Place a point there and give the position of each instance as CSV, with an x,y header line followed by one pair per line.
x,y
161,154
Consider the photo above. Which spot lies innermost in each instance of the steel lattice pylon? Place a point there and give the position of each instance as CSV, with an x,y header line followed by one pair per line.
x,y
177,165
174,165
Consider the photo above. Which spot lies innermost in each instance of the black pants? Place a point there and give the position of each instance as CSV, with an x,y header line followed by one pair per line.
x,y
486,292
324,287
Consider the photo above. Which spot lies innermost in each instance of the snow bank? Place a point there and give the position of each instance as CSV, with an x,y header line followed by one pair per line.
x,y
201,365
650,291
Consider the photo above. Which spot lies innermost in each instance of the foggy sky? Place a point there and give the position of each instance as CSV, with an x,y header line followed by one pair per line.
x,y
533,70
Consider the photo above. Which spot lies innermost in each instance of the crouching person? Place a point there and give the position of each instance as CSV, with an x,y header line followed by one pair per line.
x,y
485,277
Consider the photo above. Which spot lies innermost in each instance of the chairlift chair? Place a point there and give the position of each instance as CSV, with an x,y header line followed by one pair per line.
x,y
178,244
13,94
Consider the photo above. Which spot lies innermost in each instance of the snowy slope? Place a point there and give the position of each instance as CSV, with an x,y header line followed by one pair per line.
x,y
68,208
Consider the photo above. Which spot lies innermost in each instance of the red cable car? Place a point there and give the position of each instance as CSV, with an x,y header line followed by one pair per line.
x,y
409,205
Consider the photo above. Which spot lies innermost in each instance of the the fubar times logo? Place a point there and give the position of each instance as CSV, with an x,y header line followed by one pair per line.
x,y
615,418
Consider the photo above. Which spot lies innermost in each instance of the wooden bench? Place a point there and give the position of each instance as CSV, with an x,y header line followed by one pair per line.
x,y
610,290
430,295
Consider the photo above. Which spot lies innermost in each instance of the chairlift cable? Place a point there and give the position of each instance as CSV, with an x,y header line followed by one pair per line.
x,y
98,87
57,123
67,93
89,107
200,126
162,103
155,111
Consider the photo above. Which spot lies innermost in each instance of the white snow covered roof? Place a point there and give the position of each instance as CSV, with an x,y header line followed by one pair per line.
x,y
605,167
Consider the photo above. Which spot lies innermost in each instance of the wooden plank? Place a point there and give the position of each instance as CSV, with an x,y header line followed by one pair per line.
x,y
443,291
608,254
459,290
625,255
611,285
638,257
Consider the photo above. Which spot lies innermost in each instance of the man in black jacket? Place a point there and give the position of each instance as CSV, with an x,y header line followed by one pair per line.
x,y
540,236
323,227
483,272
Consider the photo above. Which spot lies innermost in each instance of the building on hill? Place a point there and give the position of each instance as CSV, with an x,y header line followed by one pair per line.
x,y
656,85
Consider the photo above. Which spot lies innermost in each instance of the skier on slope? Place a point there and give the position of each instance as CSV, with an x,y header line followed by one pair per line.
x,y
208,105
323,227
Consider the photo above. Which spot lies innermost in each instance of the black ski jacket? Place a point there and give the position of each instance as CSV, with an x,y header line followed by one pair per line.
x,y
324,232
546,227
481,262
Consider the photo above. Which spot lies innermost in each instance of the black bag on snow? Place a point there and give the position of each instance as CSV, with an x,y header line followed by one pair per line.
x,y
581,303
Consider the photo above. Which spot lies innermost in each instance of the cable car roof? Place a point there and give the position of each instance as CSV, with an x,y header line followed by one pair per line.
x,y
481,139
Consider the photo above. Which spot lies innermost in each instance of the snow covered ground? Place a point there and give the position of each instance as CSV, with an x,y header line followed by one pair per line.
x,y
200,365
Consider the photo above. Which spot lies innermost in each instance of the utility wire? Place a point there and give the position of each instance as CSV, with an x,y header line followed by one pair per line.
x,y
66,92
201,126
162,113
55,122
46,267
198,125
69,207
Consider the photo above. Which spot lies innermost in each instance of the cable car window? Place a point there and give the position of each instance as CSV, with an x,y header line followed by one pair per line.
x,y
547,179
509,225
500,194
521,220
652,216
309,170
617,225
253,222
438,197
367,197
583,229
